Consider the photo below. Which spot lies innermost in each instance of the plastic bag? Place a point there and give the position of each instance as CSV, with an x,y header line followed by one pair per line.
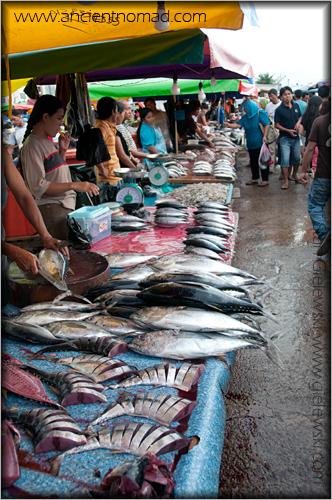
x,y
76,235
91,147
265,158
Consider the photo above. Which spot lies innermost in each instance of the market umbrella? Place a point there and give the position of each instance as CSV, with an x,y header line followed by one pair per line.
x,y
191,52
37,26
157,87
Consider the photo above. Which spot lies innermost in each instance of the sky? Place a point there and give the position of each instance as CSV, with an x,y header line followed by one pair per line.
x,y
292,41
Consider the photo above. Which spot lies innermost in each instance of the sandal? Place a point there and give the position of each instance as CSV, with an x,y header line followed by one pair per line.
x,y
261,185
284,186
251,182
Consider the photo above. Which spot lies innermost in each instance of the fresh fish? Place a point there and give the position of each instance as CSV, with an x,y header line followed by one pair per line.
x,y
188,345
197,277
203,243
73,388
203,252
136,273
28,333
71,330
171,212
215,218
198,295
46,316
133,438
207,230
115,296
10,470
181,261
116,325
213,204
106,346
169,203
109,286
98,368
168,375
65,305
212,223
164,409
20,382
130,226
193,320
121,260
55,267
216,240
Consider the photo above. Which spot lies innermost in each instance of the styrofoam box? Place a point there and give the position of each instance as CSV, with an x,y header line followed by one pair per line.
x,y
94,221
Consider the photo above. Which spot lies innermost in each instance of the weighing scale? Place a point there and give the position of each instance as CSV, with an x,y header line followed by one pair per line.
x,y
158,174
130,194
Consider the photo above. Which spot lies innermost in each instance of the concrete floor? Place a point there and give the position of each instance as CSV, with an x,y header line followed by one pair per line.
x,y
277,442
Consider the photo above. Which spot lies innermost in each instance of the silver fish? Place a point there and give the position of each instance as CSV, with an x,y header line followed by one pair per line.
x,y
188,345
116,325
46,316
193,320
182,261
71,330
55,267
27,332
204,252
65,305
122,260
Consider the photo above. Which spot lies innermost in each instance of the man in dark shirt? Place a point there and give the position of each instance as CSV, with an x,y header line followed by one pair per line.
x,y
320,191
287,119
189,126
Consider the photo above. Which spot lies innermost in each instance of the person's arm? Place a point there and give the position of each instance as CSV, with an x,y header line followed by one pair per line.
x,y
203,118
26,202
120,153
203,136
138,154
81,187
301,129
291,132
24,259
232,125
152,150
64,140
266,129
297,126
306,161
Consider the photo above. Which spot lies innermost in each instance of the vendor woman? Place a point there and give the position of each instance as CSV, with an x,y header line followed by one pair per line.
x,y
189,126
108,182
149,137
44,167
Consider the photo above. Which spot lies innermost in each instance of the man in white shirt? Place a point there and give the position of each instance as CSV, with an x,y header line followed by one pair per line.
x,y
20,128
270,109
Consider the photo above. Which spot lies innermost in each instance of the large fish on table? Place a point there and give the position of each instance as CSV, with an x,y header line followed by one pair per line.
x,y
198,295
193,320
121,260
46,316
224,282
188,345
182,261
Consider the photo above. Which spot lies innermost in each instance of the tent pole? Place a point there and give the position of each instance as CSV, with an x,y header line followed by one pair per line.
x,y
176,132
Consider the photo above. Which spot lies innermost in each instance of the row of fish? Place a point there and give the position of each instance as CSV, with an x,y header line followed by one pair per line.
x,y
170,213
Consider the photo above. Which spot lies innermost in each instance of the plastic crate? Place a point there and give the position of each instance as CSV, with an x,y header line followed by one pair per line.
x,y
94,221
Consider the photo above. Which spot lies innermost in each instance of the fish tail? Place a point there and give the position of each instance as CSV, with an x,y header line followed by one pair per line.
x,y
274,354
269,315
55,465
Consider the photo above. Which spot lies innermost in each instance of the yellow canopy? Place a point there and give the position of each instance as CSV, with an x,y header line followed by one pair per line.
x,y
15,85
30,26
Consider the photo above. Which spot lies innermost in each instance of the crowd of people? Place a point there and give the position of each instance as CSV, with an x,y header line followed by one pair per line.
x,y
296,128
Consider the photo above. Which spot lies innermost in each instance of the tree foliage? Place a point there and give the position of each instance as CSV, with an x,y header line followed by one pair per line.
x,y
266,78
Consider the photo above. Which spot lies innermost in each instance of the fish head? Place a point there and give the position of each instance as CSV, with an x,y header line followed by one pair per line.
x,y
55,267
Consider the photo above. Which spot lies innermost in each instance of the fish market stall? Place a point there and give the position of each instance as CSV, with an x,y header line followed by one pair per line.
x,y
147,396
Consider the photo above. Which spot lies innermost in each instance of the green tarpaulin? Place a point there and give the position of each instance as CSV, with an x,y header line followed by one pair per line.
x,y
157,87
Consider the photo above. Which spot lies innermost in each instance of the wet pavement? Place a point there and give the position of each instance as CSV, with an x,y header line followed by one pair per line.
x,y
277,440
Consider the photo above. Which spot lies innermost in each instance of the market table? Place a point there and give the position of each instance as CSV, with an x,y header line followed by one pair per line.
x,y
196,473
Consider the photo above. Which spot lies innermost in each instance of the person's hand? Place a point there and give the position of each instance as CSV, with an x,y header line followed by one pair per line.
x,y
51,243
212,146
264,139
64,140
86,187
304,179
103,171
27,261
293,133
